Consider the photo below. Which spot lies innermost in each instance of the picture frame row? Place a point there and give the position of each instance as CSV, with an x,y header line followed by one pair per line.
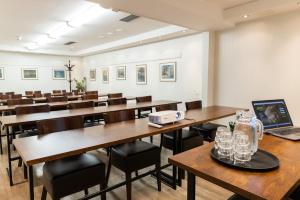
x,y
167,73
33,74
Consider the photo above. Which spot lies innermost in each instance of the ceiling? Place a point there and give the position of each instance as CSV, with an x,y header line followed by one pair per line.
x,y
30,20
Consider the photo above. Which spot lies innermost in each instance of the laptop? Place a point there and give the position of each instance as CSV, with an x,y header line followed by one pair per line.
x,y
276,118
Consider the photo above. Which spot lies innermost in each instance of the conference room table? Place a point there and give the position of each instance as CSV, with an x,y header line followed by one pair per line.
x,y
39,149
61,104
272,185
16,120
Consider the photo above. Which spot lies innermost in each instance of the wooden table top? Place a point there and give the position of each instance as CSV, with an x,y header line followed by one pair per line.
x,y
37,149
29,118
273,185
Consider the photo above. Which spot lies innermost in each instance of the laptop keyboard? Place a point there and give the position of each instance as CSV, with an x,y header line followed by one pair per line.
x,y
287,131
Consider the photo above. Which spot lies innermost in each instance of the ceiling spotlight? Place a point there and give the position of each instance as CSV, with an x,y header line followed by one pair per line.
x,y
245,16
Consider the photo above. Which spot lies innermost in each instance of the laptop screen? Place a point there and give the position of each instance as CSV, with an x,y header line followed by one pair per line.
x,y
272,113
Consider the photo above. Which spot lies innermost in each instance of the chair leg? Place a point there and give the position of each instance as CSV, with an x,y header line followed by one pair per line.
x,y
19,162
158,177
161,141
151,139
108,171
128,185
136,173
25,171
44,194
102,187
86,191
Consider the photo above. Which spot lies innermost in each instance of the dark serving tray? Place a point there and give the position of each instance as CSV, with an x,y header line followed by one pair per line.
x,y
260,161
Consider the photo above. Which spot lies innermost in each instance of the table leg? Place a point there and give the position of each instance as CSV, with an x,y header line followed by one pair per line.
x,y
179,150
191,186
9,157
30,183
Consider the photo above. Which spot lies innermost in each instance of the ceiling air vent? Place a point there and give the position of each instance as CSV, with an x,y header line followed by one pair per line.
x,y
129,18
69,43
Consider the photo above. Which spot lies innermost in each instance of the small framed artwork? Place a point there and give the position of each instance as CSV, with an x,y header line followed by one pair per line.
x,y
167,72
29,73
105,75
1,73
59,74
121,73
93,74
141,74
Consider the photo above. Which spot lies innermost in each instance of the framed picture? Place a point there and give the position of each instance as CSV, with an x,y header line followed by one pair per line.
x,y
141,74
167,72
29,73
1,73
59,74
105,75
121,73
93,74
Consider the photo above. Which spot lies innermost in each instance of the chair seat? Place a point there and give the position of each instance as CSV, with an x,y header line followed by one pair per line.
x,y
190,139
28,133
208,126
208,130
135,155
60,177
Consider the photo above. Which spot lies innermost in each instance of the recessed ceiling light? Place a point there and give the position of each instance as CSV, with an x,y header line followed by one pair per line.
x,y
19,38
109,33
101,36
245,16
119,29
32,46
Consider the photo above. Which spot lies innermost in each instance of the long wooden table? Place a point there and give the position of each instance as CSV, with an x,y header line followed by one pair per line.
x,y
62,104
38,149
16,120
272,185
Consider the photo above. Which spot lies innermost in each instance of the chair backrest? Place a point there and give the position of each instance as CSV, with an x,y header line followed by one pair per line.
x,y
56,91
118,116
91,92
4,96
144,99
12,102
193,105
117,101
28,92
32,109
60,124
68,94
115,95
90,97
9,93
87,104
75,92
57,99
172,106
47,95
37,94
16,96
63,91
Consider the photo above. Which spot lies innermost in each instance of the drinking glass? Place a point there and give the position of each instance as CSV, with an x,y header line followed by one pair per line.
x,y
220,130
242,148
225,145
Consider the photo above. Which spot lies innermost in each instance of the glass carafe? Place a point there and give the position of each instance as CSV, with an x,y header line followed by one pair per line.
x,y
250,125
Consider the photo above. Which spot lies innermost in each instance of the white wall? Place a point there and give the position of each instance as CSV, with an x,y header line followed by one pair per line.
x,y
190,53
260,60
14,62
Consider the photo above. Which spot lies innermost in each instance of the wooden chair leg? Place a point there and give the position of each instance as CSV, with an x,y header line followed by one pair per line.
x,y
25,171
158,177
102,187
44,194
86,191
128,185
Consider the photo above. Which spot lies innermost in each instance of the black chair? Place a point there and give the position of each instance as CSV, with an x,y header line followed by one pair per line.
x,y
115,95
133,156
89,121
92,93
190,139
144,112
72,174
116,101
207,130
